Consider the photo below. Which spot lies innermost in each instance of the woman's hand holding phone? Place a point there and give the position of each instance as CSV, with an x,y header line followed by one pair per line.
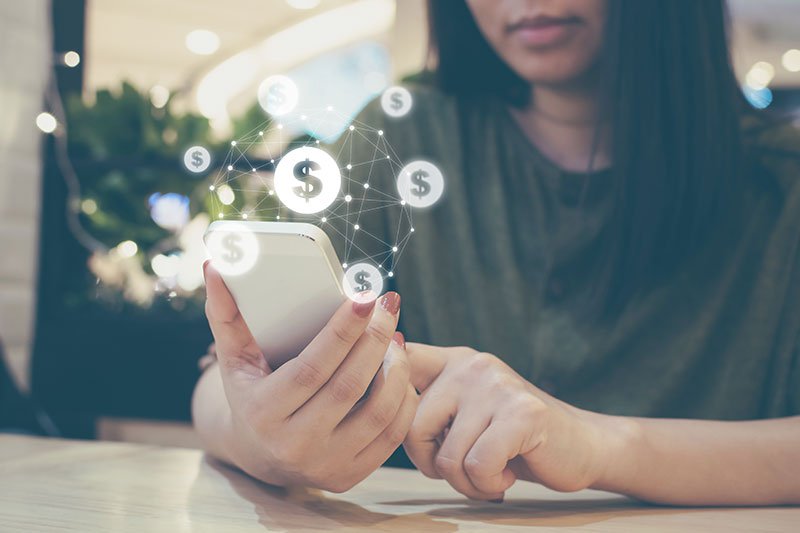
x,y
299,424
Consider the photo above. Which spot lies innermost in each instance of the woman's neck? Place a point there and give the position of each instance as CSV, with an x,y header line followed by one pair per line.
x,y
563,125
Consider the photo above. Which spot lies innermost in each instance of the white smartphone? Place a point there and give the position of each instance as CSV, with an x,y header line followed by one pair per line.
x,y
285,278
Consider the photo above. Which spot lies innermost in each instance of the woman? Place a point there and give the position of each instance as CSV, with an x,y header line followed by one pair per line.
x,y
619,243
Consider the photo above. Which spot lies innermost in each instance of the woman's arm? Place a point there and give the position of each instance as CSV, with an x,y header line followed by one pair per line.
x,y
703,462
481,426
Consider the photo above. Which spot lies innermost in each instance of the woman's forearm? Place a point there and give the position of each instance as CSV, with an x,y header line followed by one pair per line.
x,y
211,414
700,462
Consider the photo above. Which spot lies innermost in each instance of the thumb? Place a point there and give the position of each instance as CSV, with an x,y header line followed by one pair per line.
x,y
236,347
427,362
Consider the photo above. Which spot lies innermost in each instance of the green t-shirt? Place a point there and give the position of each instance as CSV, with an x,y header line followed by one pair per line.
x,y
500,264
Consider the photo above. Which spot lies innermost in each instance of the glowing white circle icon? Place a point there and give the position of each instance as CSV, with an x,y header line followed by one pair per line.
x,y
307,180
233,250
196,159
278,95
363,282
396,101
420,184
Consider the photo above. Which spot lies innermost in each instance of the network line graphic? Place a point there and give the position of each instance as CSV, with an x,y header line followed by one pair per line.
x,y
344,187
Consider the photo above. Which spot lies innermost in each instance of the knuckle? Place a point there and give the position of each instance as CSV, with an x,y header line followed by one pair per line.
x,y
481,362
395,436
530,409
380,416
475,467
379,333
344,334
308,375
399,363
445,466
347,387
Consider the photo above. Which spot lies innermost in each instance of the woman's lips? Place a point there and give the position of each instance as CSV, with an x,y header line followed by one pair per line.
x,y
542,30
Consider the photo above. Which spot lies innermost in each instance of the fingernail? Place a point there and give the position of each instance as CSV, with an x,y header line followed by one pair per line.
x,y
399,339
498,500
391,302
205,265
363,309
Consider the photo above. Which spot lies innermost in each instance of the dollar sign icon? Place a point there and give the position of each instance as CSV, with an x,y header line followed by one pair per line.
x,y
423,187
197,159
361,278
277,95
312,185
397,101
420,184
233,251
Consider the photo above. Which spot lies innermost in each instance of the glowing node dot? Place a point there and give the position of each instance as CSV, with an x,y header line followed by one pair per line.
x,y
278,217
172,294
230,167
412,230
380,132
317,141
366,185
261,133
351,128
388,157
324,219
221,215
46,122
127,249
211,188
394,248
402,202
344,265
254,171
271,160
271,192
348,198
349,166
89,206
72,59
391,274
233,143
244,216
356,227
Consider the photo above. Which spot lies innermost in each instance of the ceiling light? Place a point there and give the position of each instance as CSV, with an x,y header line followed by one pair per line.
x,y
46,122
303,4
72,59
159,96
202,42
760,75
290,47
791,60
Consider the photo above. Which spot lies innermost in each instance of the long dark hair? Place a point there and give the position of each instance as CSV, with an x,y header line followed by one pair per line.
x,y
674,105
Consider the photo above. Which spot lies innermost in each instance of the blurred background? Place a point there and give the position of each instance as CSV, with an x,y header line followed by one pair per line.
x,y
100,284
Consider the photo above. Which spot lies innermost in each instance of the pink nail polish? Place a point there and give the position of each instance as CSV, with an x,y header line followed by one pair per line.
x,y
391,302
399,339
363,309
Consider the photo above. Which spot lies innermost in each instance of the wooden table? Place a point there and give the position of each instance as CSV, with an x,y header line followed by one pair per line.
x,y
59,485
